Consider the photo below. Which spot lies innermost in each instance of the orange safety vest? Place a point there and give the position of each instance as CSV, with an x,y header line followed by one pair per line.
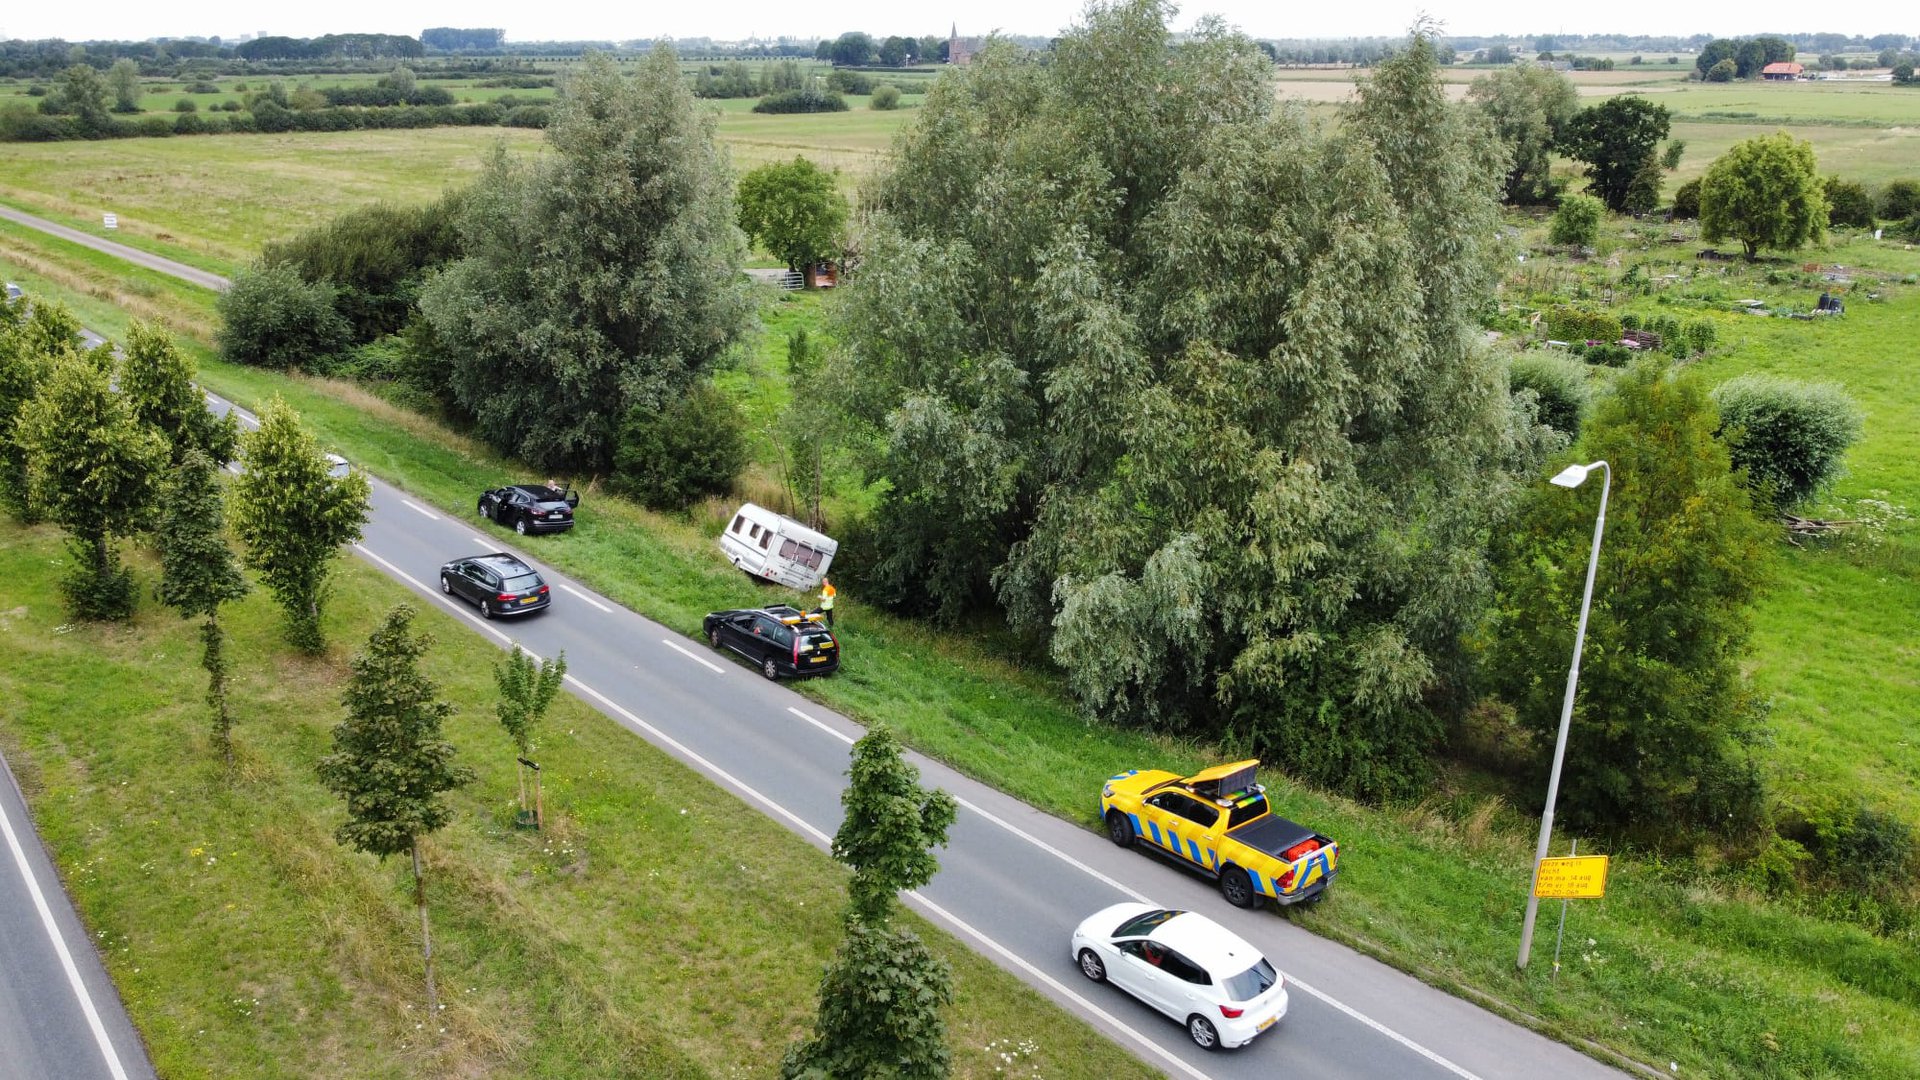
x,y
827,593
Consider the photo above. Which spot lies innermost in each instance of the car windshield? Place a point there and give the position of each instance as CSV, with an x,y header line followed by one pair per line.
x,y
1139,925
527,583
1252,982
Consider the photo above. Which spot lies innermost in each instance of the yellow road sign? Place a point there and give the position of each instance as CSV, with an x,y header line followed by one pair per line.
x,y
1579,877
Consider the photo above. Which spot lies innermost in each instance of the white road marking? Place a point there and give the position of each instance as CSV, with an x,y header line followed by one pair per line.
x,y
418,509
488,544
436,594
1056,985
587,598
696,658
60,947
842,736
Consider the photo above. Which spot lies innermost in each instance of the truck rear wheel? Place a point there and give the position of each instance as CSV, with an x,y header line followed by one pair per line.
x,y
1238,888
1119,829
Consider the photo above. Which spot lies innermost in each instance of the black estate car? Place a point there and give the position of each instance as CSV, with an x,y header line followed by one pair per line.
x,y
780,639
499,583
529,508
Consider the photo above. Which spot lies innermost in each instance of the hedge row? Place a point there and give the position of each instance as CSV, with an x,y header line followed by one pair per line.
x,y
21,126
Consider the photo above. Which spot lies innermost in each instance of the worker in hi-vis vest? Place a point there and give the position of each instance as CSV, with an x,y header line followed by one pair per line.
x,y
827,593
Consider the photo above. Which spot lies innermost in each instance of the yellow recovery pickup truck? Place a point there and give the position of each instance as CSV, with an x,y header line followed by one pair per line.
x,y
1217,822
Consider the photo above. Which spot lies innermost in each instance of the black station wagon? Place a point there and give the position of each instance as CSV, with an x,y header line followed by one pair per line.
x,y
781,640
499,583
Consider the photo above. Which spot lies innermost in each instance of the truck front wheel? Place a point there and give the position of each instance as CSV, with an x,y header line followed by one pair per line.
x,y
1238,888
1119,829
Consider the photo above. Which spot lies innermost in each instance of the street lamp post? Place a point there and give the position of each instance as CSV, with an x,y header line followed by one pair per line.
x,y
1570,477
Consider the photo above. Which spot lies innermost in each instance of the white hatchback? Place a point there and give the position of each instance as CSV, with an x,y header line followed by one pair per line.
x,y
1185,965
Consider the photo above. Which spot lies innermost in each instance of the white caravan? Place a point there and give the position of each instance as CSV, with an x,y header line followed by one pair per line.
x,y
774,547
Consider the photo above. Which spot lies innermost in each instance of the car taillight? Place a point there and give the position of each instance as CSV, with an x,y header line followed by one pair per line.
x,y
1286,879
1230,1012
543,589
504,596
796,650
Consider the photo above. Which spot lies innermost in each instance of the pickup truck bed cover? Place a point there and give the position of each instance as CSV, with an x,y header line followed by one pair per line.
x,y
1271,834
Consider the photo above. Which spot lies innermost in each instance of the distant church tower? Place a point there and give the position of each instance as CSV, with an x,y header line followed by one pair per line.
x,y
959,49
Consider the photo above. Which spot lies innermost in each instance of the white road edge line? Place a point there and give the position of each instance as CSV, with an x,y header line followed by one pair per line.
x,y
1058,987
418,509
739,785
437,595
488,544
841,735
587,598
1384,1030
695,657
60,946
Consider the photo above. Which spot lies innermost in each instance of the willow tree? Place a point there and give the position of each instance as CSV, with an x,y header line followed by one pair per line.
x,y
1190,387
600,277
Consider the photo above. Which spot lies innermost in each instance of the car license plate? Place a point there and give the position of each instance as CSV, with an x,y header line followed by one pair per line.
x,y
819,660
1265,1024
529,599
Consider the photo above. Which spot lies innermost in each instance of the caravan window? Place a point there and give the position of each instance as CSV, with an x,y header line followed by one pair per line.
x,y
788,549
755,534
807,557
766,540
739,522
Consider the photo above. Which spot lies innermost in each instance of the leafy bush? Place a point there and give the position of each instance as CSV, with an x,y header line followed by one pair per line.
x,y
849,82
273,319
201,87
527,116
1857,847
1577,222
375,256
1901,199
1789,436
1686,200
886,97
1701,334
1608,354
1574,324
1559,386
801,101
670,459
1848,204
185,105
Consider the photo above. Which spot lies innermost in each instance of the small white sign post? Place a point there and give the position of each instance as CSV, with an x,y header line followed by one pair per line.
x,y
111,221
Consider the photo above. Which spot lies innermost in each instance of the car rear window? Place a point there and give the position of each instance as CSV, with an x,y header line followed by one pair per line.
x,y
1247,811
1252,982
527,583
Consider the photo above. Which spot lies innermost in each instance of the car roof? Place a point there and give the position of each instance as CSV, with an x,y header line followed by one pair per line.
x,y
1207,943
503,562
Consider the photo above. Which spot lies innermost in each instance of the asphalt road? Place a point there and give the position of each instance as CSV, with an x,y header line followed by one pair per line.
x,y
133,255
1014,881
60,1015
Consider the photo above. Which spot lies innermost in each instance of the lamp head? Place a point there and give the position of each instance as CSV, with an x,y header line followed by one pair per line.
x,y
1572,476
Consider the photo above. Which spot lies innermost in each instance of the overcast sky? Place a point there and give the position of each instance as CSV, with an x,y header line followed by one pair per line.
x,y
734,19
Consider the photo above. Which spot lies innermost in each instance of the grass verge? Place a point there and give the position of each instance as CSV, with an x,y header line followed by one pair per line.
x,y
623,941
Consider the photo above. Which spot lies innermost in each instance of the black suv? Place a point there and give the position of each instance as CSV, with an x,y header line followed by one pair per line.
x,y
529,508
781,639
499,583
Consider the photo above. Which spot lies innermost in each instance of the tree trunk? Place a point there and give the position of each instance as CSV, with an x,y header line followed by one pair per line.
x,y
214,660
426,935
